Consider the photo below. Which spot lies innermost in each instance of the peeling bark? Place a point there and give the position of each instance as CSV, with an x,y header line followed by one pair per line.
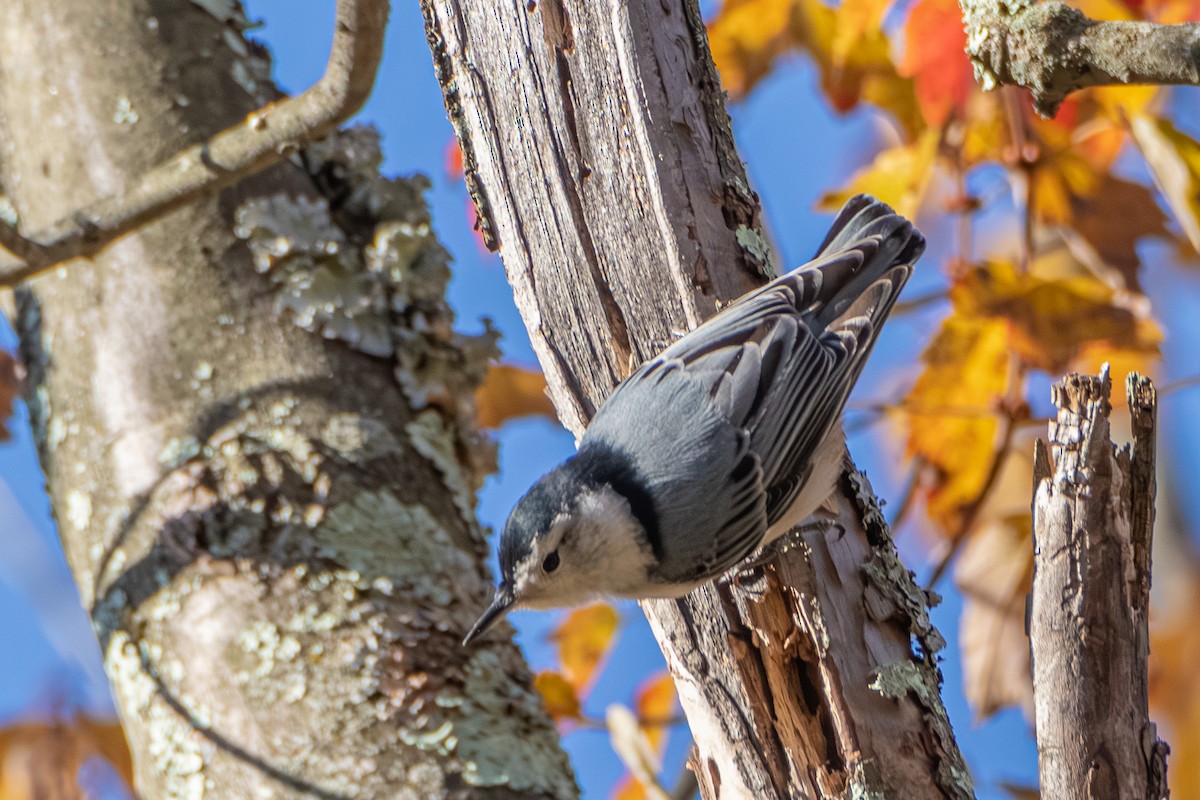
x,y
1093,522
1052,49
598,150
255,423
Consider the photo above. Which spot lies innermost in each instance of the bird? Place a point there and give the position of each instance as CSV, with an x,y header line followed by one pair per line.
x,y
720,444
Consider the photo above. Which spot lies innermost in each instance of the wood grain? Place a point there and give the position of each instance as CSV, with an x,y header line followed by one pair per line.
x,y
598,151
1093,522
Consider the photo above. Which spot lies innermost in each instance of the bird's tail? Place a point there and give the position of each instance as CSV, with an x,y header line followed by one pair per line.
x,y
888,245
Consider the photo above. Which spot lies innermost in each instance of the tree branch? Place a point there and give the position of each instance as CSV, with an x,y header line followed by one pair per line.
x,y
263,138
1052,49
1093,520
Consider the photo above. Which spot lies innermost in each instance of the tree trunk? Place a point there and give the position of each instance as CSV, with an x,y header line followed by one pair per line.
x,y
1093,522
260,452
598,151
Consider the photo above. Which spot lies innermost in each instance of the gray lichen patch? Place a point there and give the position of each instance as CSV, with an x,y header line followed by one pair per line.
x,y
909,679
359,438
754,244
892,586
430,436
380,537
892,589
178,752
370,273
501,736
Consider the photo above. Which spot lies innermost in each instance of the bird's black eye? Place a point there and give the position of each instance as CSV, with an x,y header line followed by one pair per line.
x,y
550,563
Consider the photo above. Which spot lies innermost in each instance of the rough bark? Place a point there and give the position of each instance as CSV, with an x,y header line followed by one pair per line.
x,y
599,154
251,420
1093,521
1052,49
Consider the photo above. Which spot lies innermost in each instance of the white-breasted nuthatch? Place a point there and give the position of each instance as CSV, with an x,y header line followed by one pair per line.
x,y
723,442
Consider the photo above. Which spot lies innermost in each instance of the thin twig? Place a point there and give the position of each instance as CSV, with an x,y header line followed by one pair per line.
x,y
1179,385
262,139
1020,168
909,497
919,302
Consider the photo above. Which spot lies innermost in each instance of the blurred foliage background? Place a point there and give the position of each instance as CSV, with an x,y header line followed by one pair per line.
x,y
1055,245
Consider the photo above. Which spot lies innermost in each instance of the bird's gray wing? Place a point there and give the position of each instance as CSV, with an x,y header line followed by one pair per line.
x,y
781,362
750,394
704,476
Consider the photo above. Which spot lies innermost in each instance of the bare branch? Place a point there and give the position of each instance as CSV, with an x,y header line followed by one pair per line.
x,y
260,140
1052,49
1093,519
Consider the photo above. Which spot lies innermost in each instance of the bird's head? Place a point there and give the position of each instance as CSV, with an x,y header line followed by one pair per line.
x,y
567,541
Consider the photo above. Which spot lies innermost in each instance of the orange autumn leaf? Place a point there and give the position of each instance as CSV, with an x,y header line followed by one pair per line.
x,y
1112,222
584,639
935,58
452,160
629,789
746,37
1051,317
847,43
559,695
855,60
654,705
509,392
950,412
41,760
1172,12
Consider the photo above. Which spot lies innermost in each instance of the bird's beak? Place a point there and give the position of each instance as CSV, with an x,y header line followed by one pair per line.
x,y
501,603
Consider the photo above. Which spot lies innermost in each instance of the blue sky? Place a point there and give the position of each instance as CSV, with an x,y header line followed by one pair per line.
x,y
795,149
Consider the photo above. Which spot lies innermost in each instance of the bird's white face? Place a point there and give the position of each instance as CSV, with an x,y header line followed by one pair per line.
x,y
598,549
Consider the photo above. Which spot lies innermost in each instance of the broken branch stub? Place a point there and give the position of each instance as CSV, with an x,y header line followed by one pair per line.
x,y
1093,516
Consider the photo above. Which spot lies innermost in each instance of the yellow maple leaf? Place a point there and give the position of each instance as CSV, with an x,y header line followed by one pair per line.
x,y
584,639
1050,319
1058,178
857,20
559,695
847,43
899,177
950,411
629,789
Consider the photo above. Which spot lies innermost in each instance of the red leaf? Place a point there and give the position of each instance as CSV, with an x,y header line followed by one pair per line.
x,y
934,57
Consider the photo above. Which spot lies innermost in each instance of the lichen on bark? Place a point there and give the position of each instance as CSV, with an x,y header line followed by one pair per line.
x,y
271,523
